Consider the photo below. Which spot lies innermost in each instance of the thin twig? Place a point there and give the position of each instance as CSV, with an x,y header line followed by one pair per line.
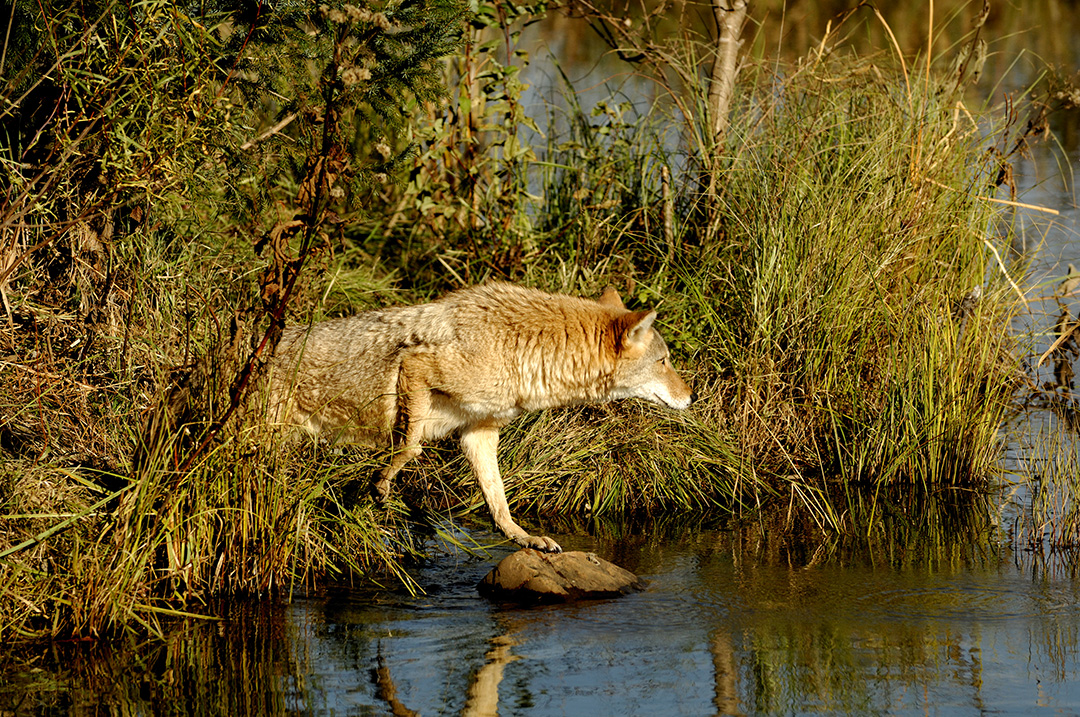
x,y
270,132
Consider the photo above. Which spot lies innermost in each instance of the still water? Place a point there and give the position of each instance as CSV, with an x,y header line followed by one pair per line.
x,y
730,623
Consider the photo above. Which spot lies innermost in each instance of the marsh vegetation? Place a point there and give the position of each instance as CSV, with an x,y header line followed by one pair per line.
x,y
833,273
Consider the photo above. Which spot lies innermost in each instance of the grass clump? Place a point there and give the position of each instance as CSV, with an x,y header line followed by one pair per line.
x,y
169,177
861,312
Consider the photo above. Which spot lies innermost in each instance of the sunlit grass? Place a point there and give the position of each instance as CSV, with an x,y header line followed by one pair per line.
x,y
844,317
838,308
1048,514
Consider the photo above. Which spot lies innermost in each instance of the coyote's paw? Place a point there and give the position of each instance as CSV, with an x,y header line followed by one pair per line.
x,y
380,490
541,543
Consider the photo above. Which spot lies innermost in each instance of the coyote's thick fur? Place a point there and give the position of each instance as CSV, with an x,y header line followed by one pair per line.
x,y
470,362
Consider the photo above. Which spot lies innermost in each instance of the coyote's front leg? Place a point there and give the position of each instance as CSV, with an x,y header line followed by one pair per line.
x,y
480,445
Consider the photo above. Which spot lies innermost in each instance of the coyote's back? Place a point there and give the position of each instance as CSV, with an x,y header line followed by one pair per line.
x,y
470,362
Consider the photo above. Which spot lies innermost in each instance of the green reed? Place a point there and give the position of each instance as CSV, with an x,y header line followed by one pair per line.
x,y
1047,519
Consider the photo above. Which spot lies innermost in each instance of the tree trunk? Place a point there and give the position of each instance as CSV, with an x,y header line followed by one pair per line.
x,y
730,16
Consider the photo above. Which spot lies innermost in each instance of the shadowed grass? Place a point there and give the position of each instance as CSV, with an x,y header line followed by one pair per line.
x,y
166,542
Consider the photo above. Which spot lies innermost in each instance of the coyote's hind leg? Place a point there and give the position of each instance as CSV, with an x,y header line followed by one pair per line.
x,y
380,483
414,407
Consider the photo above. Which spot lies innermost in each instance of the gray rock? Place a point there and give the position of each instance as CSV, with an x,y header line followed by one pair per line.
x,y
532,576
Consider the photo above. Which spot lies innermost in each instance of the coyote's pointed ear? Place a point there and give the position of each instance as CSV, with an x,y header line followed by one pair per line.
x,y
634,328
611,298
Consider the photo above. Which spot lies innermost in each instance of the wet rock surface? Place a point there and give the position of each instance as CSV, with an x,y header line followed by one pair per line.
x,y
532,576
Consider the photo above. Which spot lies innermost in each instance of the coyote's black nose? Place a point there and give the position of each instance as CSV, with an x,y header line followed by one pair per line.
x,y
693,397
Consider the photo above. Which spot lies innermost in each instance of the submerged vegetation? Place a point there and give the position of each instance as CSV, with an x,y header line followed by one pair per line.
x,y
831,275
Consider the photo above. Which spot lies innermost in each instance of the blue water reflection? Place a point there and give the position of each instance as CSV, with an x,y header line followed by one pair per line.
x,y
714,633
748,620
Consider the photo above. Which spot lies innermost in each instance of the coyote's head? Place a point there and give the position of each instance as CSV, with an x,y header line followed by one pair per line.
x,y
642,361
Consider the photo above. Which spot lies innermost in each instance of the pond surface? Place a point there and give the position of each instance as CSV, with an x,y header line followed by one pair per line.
x,y
729,624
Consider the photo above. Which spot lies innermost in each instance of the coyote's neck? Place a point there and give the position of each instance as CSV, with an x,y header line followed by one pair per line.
x,y
569,372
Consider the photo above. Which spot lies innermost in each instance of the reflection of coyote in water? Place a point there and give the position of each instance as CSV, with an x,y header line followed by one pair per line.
x,y
470,362
482,696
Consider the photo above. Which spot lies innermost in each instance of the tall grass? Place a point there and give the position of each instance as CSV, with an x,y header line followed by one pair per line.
x,y
845,316
856,232
837,305
136,480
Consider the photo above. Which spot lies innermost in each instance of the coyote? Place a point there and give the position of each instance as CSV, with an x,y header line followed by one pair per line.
x,y
470,362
